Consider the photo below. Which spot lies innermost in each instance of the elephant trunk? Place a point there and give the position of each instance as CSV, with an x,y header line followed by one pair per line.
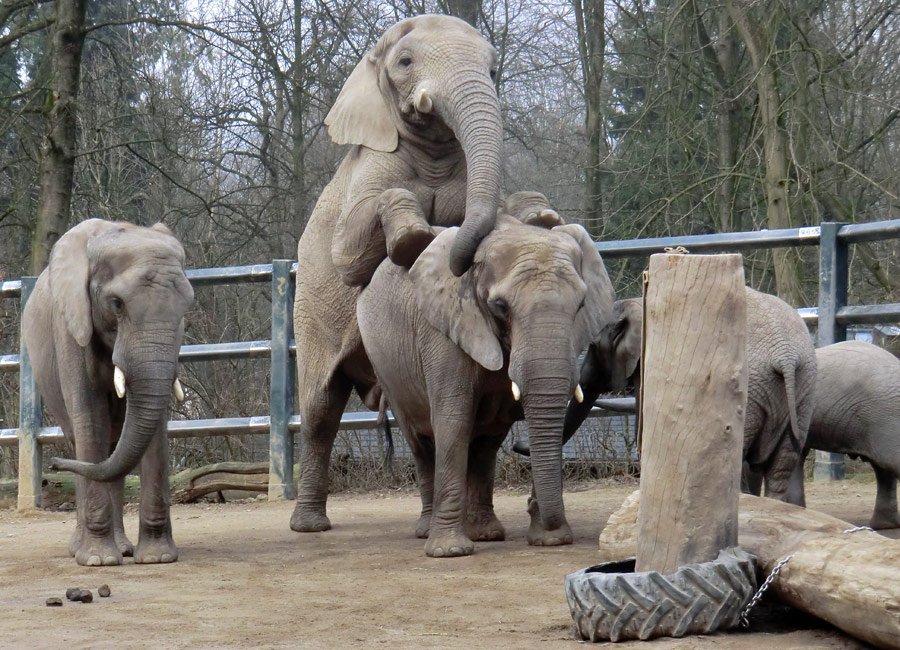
x,y
473,112
148,388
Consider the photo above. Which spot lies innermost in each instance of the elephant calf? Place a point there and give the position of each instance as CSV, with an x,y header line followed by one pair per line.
x,y
857,412
461,358
781,380
103,328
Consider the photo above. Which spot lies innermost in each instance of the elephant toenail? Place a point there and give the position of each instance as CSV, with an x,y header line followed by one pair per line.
x,y
94,560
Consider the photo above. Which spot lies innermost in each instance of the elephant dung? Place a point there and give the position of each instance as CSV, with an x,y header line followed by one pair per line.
x,y
54,602
846,578
104,591
73,593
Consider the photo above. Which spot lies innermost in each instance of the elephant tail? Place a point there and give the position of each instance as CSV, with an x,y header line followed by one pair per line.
x,y
788,372
385,421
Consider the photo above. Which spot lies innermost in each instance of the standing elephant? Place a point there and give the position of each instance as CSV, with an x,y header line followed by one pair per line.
x,y
781,368
103,328
445,350
857,412
422,113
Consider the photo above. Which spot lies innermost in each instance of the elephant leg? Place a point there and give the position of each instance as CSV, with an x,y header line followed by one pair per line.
x,y
482,524
423,455
781,467
117,497
321,419
95,543
751,480
406,229
447,537
155,544
885,514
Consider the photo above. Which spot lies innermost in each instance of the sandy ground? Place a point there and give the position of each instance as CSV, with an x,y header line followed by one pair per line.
x,y
244,580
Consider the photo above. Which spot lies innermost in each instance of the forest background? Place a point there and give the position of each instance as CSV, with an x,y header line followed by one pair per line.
x,y
637,118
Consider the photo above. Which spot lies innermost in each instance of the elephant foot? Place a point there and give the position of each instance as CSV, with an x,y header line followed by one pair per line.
x,y
561,536
423,526
449,544
307,521
483,526
126,548
156,550
76,540
408,243
881,521
98,551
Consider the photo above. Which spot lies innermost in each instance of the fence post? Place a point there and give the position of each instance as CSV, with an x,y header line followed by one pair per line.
x,y
833,275
30,453
281,402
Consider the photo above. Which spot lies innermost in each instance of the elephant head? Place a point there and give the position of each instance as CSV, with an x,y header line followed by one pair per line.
x,y
431,79
532,301
119,292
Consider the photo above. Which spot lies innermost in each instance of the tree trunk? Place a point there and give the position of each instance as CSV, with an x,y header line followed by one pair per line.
x,y
589,19
694,393
57,163
761,47
847,579
468,10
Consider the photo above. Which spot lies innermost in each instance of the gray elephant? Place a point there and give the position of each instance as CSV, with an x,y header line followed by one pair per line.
x,y
103,328
422,113
781,368
857,412
460,359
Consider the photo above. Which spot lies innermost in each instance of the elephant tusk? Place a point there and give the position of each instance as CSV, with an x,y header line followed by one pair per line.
x,y
516,392
423,102
119,382
549,213
178,390
579,395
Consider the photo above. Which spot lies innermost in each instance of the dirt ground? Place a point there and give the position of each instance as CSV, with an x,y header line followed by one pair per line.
x,y
244,580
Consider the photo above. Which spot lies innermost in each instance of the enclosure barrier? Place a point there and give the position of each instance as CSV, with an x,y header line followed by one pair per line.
x,y
832,316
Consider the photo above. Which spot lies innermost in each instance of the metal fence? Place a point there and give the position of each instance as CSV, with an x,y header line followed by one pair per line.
x,y
832,316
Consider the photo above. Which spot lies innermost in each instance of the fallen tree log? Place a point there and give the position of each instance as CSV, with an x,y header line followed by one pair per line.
x,y
190,485
849,579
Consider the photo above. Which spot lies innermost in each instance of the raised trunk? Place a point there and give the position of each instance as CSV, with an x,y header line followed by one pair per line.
x,y
473,112
148,388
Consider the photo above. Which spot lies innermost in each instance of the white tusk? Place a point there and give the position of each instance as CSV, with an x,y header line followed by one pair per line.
x,y
178,390
119,382
579,395
549,213
516,392
423,102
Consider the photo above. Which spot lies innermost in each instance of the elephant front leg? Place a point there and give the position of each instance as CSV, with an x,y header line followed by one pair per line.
x,y
117,498
885,514
447,537
540,536
93,543
155,543
406,229
482,524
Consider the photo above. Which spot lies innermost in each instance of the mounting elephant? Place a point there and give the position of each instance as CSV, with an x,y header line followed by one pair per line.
x,y
422,113
103,328
857,412
781,368
461,359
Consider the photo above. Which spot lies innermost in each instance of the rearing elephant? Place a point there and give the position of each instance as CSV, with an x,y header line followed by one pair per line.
x,y
422,113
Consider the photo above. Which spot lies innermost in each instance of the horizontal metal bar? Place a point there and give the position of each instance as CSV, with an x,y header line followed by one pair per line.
x,y
9,362
614,405
869,314
714,243
211,351
876,230
10,289
229,275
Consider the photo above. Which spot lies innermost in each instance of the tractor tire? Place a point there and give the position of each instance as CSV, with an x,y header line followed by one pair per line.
x,y
609,602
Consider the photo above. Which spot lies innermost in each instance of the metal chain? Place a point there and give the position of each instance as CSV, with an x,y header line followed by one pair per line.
x,y
745,622
765,585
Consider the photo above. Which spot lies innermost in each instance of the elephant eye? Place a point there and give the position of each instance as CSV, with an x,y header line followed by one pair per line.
x,y
116,304
493,74
405,62
499,308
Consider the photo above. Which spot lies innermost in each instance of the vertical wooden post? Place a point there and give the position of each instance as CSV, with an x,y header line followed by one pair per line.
x,y
694,396
30,452
281,402
833,277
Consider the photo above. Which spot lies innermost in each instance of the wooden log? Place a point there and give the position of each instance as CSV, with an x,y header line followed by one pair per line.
x,y
847,579
192,484
693,397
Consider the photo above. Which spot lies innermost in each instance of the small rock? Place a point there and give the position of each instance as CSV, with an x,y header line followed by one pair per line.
x,y
68,506
54,602
104,591
86,596
262,497
73,594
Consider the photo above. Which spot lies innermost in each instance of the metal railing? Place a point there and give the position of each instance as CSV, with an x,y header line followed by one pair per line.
x,y
832,316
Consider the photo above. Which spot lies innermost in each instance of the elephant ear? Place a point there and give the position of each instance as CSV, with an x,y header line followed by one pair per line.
x,y
450,303
68,269
627,337
360,115
598,301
